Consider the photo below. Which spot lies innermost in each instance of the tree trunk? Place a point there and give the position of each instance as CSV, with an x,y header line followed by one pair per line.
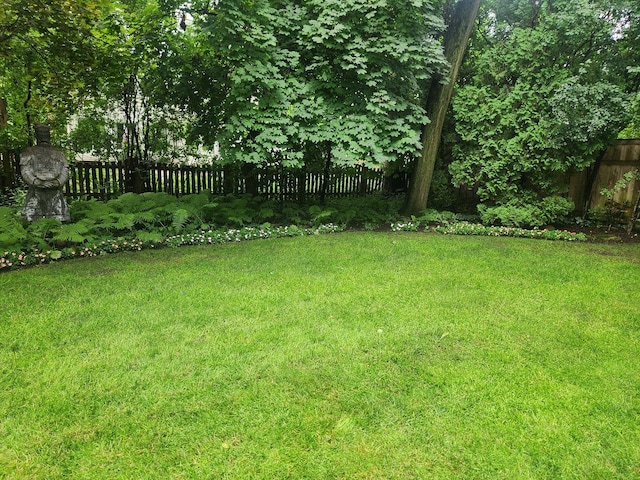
x,y
325,176
3,112
440,92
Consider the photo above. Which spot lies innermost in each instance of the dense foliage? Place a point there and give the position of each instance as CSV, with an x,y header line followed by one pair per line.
x,y
48,58
134,222
291,80
544,92
545,86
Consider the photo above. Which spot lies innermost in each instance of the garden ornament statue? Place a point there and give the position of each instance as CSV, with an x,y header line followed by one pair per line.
x,y
45,170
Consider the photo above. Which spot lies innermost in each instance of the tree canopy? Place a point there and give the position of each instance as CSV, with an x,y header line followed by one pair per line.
x,y
545,90
48,52
544,87
289,78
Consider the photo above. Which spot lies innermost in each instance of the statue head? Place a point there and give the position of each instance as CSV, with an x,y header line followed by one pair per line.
x,y
43,133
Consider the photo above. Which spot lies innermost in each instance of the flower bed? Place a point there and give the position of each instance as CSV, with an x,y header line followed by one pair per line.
x,y
10,260
465,228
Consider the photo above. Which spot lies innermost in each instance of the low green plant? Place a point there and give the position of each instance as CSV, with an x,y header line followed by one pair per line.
x,y
434,216
319,215
466,228
67,248
13,235
550,210
405,226
371,209
157,219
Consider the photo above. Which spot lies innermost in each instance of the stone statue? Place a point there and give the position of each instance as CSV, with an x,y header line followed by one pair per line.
x,y
45,169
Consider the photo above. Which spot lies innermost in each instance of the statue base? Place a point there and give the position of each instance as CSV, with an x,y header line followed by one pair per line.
x,y
45,203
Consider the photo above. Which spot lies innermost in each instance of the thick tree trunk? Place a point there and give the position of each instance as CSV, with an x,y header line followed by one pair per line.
x,y
455,43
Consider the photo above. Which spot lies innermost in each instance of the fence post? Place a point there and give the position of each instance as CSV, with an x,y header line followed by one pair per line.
x,y
228,181
250,175
302,185
362,173
133,176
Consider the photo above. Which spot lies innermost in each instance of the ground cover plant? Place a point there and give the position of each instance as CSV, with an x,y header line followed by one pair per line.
x,y
355,355
133,222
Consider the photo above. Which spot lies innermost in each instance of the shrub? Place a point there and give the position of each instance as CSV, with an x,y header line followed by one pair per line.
x,y
366,210
551,210
434,216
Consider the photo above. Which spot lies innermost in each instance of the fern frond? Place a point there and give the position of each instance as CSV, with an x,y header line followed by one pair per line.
x,y
144,218
158,199
12,233
42,227
91,209
75,232
150,236
180,218
122,221
128,203
196,200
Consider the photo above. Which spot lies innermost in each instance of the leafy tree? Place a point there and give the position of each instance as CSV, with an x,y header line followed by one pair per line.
x,y
543,94
293,79
48,53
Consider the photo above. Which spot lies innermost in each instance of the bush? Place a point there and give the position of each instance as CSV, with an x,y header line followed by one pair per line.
x,y
366,210
434,216
551,210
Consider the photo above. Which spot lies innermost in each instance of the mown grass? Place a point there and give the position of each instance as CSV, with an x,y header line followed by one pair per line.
x,y
355,355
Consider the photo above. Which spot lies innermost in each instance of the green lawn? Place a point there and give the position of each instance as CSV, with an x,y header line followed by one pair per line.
x,y
355,356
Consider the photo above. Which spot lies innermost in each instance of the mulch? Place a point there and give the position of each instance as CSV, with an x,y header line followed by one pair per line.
x,y
604,234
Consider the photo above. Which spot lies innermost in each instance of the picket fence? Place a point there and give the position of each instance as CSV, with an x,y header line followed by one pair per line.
x,y
104,180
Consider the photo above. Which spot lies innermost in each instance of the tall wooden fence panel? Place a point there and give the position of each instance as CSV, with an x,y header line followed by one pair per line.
x,y
619,159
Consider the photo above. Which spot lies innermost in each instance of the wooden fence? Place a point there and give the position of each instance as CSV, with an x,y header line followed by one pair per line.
x,y
103,180
620,158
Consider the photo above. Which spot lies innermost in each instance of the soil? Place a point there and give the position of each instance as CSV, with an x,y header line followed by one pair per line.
x,y
605,234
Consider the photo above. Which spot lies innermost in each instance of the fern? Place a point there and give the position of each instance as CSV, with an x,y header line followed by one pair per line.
x,y
208,211
13,236
75,232
144,218
123,221
180,217
159,199
196,201
129,203
150,236
91,209
44,227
